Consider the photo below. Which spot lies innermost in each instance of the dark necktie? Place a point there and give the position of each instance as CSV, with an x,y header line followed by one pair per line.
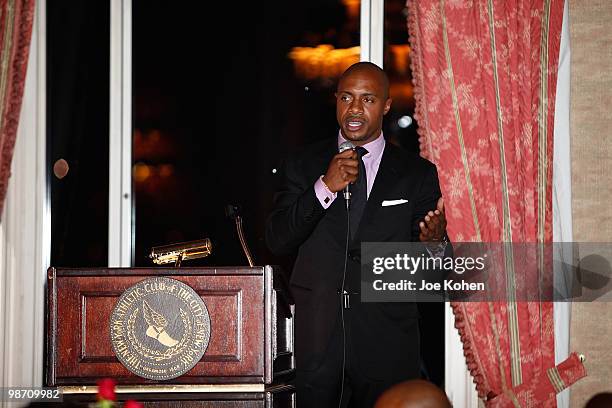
x,y
359,193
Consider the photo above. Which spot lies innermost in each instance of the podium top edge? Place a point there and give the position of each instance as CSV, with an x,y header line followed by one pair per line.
x,y
158,271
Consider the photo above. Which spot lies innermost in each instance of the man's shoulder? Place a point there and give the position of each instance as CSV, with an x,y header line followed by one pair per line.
x,y
320,148
409,160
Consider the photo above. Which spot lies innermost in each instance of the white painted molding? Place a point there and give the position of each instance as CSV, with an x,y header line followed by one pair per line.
x,y
562,200
460,388
120,231
372,31
25,234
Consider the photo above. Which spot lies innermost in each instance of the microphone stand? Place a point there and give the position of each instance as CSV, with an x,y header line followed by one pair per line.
x,y
233,211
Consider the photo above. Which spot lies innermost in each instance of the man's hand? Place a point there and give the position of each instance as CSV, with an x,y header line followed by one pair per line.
x,y
343,169
433,227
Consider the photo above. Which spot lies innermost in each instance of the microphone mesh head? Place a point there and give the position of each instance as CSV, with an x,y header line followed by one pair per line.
x,y
345,146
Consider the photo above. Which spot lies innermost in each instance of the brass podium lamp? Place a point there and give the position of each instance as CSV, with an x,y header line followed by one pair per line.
x,y
181,251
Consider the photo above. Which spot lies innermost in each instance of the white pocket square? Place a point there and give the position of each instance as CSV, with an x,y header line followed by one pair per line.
x,y
388,203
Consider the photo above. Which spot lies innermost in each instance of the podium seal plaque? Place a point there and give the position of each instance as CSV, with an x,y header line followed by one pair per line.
x,y
160,328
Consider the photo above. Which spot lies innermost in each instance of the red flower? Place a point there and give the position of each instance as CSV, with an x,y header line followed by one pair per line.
x,y
133,404
106,389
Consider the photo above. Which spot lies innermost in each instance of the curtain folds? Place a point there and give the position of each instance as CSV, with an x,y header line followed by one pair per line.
x,y
16,17
485,80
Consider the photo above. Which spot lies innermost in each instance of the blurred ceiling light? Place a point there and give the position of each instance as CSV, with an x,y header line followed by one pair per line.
x,y
352,7
141,172
404,121
166,170
400,58
325,61
154,136
60,168
322,61
401,91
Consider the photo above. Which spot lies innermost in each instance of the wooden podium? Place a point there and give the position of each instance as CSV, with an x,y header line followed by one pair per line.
x,y
248,359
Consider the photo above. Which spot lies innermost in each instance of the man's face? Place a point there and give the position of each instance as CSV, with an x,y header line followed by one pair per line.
x,y
360,106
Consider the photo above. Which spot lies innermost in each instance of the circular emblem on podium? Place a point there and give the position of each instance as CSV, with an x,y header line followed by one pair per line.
x,y
160,328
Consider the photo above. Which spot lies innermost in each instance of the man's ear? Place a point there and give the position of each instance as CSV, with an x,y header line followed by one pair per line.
x,y
387,105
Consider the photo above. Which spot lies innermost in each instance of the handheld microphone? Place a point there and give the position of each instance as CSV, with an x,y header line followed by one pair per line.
x,y
343,147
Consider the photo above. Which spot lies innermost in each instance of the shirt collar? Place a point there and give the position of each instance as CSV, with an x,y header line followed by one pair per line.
x,y
374,148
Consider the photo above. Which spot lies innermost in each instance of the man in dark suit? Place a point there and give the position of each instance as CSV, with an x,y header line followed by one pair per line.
x,y
346,349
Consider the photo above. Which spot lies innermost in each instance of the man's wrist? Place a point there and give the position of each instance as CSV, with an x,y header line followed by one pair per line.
x,y
323,193
437,248
325,185
437,243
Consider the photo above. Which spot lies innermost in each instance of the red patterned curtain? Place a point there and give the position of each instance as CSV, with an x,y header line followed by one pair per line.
x,y
16,18
485,78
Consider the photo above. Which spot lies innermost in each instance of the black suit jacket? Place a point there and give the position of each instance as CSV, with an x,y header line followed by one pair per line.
x,y
300,223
